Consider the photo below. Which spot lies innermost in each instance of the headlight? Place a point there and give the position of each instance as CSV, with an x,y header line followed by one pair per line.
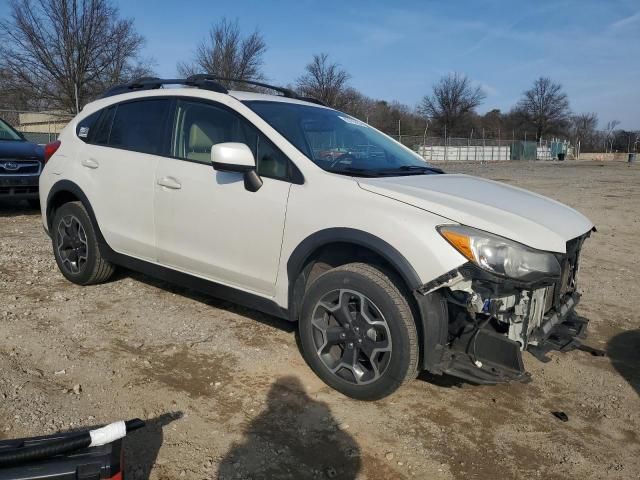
x,y
500,255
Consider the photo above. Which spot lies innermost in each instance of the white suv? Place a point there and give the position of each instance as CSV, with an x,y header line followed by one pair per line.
x,y
389,266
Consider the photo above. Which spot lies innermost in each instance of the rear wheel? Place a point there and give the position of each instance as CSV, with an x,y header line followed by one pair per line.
x,y
75,246
358,333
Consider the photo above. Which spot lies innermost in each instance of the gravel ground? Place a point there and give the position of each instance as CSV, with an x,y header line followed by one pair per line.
x,y
228,395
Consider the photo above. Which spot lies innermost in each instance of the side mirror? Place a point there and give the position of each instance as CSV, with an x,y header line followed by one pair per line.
x,y
236,157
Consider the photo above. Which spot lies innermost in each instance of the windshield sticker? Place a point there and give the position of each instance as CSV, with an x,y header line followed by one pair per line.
x,y
353,121
84,132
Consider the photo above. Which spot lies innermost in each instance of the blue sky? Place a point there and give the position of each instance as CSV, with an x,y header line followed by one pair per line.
x,y
397,50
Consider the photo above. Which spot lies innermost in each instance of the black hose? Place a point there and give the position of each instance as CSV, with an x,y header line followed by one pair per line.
x,y
47,449
17,456
134,424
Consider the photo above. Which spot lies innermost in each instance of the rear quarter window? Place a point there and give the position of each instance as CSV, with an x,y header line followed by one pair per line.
x,y
85,126
140,126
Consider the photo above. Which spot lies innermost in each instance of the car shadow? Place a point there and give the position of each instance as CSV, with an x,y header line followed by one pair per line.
x,y
215,302
141,447
12,208
294,437
443,381
624,352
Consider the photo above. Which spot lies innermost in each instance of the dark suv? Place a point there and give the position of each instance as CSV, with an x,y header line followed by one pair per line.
x,y
20,165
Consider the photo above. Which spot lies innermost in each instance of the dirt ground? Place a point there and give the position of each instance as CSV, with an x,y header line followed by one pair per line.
x,y
228,395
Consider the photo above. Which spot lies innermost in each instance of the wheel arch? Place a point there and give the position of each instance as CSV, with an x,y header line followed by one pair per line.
x,y
430,311
65,191
337,246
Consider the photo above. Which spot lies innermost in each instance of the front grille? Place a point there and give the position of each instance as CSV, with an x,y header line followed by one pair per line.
x,y
19,167
4,191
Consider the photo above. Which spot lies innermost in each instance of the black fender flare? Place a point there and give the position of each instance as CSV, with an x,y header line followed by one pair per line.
x,y
297,274
431,318
76,191
316,240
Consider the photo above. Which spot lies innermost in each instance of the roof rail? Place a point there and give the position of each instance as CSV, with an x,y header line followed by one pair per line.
x,y
151,83
286,92
202,80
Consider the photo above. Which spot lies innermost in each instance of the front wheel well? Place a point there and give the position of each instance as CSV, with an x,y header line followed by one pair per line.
x,y
334,255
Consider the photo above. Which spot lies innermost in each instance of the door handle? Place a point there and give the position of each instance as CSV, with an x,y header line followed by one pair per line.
x,y
170,182
89,163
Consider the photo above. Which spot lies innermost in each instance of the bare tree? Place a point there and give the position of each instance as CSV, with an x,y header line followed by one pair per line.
x,y
66,52
326,81
226,53
545,106
609,134
452,99
584,128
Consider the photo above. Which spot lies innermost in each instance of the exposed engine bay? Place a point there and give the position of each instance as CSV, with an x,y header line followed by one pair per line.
x,y
492,319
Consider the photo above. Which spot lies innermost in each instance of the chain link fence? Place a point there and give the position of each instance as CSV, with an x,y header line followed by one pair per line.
x,y
440,149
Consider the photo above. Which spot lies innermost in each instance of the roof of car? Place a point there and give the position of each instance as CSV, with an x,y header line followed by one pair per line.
x,y
244,96
212,83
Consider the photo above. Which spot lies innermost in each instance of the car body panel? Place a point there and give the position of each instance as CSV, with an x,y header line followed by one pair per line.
x,y
120,186
213,227
409,230
495,207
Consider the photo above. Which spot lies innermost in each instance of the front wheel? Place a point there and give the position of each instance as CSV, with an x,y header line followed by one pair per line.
x,y
358,333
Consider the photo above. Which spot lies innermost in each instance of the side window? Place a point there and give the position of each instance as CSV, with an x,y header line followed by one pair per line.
x,y
199,126
85,127
139,125
270,161
99,134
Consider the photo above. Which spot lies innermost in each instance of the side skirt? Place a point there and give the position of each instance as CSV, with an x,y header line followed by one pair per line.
x,y
185,280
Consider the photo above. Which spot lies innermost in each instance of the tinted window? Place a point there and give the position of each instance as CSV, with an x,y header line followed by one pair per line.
x,y
199,126
99,133
139,125
85,128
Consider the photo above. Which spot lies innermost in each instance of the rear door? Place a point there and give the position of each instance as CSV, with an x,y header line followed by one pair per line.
x,y
207,223
118,165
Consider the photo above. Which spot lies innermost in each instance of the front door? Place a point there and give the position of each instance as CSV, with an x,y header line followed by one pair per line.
x,y
206,222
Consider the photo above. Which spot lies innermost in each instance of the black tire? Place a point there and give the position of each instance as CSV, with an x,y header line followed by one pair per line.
x,y
93,268
386,304
34,203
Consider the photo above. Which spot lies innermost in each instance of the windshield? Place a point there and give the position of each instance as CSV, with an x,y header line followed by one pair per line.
x,y
8,133
338,142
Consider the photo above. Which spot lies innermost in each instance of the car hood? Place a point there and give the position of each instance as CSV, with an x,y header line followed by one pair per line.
x,y
17,150
501,209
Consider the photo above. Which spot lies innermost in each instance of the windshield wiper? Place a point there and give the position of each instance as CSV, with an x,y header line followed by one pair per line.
x,y
422,168
355,172
410,170
403,170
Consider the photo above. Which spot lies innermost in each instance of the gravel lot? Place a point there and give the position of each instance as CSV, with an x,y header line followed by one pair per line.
x,y
228,395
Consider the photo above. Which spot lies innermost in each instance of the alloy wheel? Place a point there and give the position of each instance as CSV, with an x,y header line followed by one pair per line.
x,y
71,244
351,336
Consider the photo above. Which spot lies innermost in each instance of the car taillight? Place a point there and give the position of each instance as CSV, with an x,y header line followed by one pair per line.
x,y
50,149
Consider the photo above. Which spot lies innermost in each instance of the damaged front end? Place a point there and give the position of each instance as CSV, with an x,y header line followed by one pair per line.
x,y
491,319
